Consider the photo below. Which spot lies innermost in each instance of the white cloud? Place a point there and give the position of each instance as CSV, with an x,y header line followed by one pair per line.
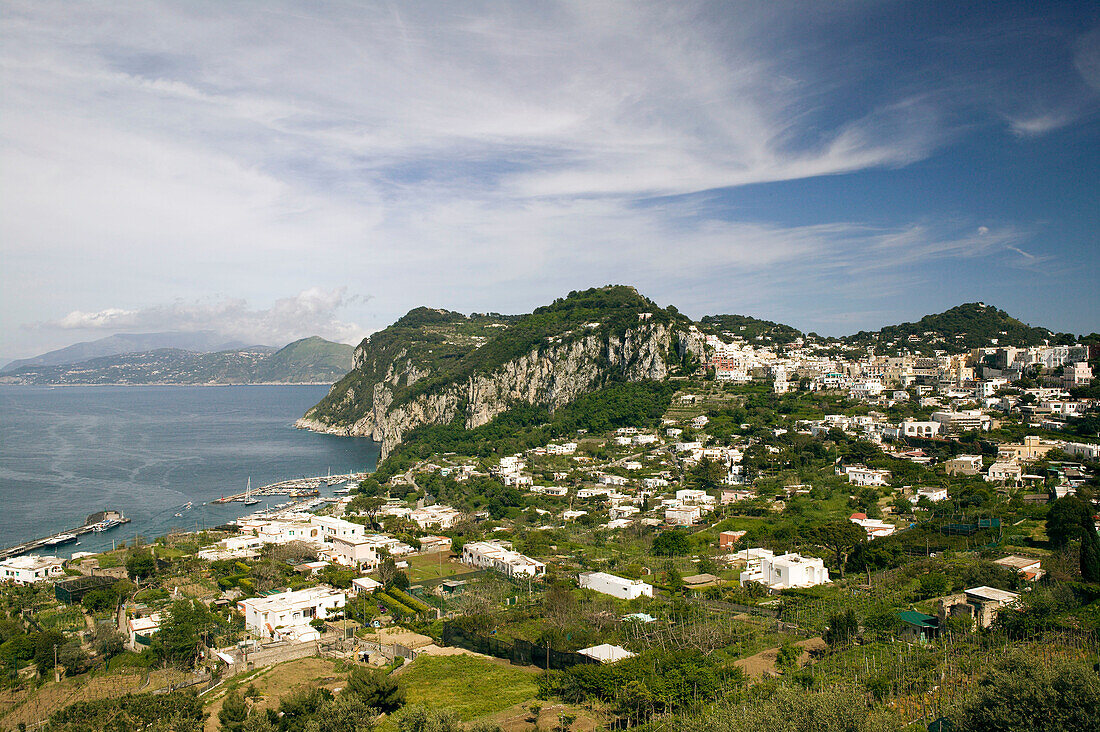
x,y
310,312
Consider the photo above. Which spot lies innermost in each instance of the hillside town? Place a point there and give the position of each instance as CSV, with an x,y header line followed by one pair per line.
x,y
782,514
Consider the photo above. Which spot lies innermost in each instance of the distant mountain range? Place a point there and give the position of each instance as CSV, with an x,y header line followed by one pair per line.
x,y
310,360
199,342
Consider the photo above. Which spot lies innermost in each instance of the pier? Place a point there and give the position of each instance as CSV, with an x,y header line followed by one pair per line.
x,y
60,538
295,488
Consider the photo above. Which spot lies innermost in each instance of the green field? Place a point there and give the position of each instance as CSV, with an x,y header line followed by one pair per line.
x,y
470,687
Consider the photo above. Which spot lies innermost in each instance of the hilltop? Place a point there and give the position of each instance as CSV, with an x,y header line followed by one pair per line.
x,y
437,366
972,325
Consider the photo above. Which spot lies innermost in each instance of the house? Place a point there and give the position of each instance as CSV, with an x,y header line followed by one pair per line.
x,y
232,547
682,515
494,555
28,569
912,428
1029,567
964,465
572,514
727,539
622,512
932,494
1004,472
287,615
787,570
441,517
981,604
859,475
332,526
364,584
875,528
737,495
1032,448
954,423
606,653
609,584
433,544
550,490
139,631
696,498
918,627
365,552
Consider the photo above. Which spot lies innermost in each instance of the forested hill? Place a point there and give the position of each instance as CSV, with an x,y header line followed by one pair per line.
x,y
973,325
753,330
310,360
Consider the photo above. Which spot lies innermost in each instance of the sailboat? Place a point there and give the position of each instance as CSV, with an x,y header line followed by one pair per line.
x,y
248,499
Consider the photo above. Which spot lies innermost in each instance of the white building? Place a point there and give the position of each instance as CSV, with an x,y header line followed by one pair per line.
x,y
139,631
787,570
28,568
365,552
609,584
494,555
932,494
912,428
682,515
288,614
232,547
1004,472
442,517
332,526
875,528
859,475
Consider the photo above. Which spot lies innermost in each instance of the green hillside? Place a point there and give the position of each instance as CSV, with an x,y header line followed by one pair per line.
x,y
447,347
310,359
749,328
973,325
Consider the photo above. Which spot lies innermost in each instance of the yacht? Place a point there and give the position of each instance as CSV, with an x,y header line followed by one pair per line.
x,y
248,499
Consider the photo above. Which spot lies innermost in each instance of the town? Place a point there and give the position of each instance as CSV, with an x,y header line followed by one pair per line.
x,y
836,526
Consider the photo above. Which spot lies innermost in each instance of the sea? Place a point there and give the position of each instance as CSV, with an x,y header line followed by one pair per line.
x,y
153,452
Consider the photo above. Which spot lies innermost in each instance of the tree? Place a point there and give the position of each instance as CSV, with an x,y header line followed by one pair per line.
x,y
709,473
671,543
140,564
99,600
933,584
420,718
376,689
1024,692
178,640
1090,552
1065,520
843,628
840,537
365,505
234,712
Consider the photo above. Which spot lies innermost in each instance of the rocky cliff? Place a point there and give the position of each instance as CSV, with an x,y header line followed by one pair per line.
x,y
579,347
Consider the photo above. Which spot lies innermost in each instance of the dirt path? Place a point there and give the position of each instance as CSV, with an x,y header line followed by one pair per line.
x,y
763,663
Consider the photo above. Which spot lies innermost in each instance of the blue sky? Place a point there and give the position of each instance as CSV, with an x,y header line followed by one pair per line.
x,y
273,170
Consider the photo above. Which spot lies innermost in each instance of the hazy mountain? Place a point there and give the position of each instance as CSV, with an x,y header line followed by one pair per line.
x,y
310,360
199,342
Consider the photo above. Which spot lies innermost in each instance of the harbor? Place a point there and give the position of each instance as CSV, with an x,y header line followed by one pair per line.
x,y
97,522
293,488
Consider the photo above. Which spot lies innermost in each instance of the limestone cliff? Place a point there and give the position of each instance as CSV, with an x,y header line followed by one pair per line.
x,y
548,358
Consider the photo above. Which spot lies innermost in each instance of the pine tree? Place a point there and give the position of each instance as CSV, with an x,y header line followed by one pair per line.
x,y
1090,552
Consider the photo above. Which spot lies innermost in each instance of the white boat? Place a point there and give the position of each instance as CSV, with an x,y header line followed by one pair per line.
x,y
248,499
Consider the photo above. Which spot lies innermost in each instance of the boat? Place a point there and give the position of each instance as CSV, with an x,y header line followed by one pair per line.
x,y
248,499
178,515
59,539
107,524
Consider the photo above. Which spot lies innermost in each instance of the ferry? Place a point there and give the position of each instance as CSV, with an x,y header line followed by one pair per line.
x,y
60,539
105,525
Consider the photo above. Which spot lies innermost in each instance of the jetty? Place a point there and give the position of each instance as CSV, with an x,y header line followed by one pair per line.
x,y
98,521
295,488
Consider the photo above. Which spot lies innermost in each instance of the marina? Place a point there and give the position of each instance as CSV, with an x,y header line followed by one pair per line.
x,y
97,522
294,488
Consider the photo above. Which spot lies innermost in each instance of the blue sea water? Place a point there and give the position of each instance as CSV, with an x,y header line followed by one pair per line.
x,y
66,452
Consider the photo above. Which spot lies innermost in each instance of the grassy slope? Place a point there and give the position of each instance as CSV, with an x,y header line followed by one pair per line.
x,y
469,686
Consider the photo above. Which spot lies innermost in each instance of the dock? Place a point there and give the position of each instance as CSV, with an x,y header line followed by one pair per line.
x,y
60,538
295,488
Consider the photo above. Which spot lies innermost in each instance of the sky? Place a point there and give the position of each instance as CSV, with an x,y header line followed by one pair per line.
x,y
272,170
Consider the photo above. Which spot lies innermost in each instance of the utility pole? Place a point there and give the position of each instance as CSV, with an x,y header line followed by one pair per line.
x,y
56,673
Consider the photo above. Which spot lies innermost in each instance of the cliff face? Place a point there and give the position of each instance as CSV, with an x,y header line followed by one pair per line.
x,y
552,375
